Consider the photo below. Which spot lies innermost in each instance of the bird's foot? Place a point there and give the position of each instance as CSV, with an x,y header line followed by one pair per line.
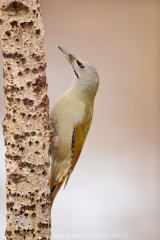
x,y
49,128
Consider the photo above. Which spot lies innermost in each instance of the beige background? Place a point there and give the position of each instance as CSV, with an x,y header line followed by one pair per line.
x,y
115,185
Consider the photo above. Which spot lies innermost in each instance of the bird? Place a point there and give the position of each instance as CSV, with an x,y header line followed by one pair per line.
x,y
71,118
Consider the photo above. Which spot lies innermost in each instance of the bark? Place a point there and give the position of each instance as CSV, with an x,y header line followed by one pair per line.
x,y
27,108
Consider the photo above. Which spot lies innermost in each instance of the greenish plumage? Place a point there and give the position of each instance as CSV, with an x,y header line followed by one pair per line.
x,y
71,117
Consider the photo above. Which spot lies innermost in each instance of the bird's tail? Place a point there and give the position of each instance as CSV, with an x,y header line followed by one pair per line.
x,y
56,188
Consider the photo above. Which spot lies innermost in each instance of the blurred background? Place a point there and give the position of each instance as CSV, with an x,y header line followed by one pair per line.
x,y
115,185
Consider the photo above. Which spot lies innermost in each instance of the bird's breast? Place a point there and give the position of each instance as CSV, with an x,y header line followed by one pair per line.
x,y
66,114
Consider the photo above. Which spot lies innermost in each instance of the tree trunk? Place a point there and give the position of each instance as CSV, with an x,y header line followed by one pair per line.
x,y
27,108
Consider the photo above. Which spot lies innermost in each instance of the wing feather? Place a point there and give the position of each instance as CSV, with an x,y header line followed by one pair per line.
x,y
79,134
78,138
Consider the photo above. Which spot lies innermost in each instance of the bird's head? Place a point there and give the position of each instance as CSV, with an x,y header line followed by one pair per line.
x,y
86,76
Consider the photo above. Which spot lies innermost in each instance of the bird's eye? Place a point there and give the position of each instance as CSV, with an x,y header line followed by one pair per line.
x,y
80,65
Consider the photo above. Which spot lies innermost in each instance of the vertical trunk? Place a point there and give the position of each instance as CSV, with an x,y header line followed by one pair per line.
x,y
27,108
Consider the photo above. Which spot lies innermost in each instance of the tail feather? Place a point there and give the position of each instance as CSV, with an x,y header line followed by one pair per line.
x,y
68,176
56,188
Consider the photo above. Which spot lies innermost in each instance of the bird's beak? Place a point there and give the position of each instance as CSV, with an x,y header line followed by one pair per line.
x,y
69,56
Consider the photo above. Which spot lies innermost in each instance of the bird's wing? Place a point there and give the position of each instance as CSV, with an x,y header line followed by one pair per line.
x,y
78,137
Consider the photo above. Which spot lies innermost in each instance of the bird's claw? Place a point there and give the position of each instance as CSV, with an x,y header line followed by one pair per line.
x,y
48,122
48,133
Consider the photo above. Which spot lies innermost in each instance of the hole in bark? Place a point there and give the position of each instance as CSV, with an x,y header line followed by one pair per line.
x,y
9,233
34,70
39,84
47,164
43,225
36,57
20,74
16,178
27,24
8,116
44,173
29,84
9,204
17,231
33,214
38,31
27,70
16,158
14,24
30,143
22,114
43,195
44,146
28,102
28,207
37,152
8,33
15,7
21,149
41,68
18,100
23,60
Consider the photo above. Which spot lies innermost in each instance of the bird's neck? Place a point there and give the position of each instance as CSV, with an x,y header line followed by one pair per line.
x,y
82,92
